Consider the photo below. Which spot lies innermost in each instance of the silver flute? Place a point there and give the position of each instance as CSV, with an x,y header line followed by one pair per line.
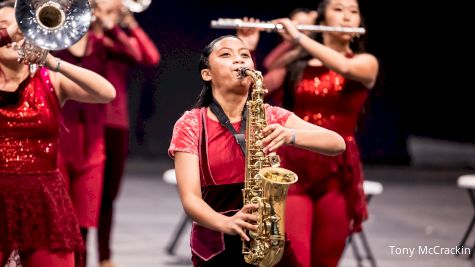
x,y
223,23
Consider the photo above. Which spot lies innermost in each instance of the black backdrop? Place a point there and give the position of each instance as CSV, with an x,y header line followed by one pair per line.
x,y
422,90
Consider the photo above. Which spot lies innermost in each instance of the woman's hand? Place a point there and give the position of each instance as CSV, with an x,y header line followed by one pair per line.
x,y
290,31
276,135
250,36
29,53
236,224
14,33
127,19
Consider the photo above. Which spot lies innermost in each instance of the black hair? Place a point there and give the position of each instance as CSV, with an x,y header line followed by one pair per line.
x,y
7,3
358,43
205,98
298,10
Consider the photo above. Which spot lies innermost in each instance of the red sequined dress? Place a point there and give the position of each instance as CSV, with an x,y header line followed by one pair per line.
x,y
35,208
325,98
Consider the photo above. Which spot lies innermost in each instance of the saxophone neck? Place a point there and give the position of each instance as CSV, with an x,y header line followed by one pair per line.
x,y
258,89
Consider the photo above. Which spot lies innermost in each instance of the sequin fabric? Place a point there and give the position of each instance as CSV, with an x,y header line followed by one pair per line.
x,y
327,99
35,208
29,130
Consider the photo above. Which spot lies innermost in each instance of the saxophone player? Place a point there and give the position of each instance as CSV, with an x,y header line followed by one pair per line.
x,y
209,158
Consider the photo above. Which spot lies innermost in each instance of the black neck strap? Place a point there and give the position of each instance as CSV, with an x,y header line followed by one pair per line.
x,y
224,120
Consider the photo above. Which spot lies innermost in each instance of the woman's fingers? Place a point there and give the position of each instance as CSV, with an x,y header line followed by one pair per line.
x,y
246,208
241,232
276,143
248,226
249,217
272,132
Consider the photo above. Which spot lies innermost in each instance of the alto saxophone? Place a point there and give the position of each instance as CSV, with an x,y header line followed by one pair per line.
x,y
266,184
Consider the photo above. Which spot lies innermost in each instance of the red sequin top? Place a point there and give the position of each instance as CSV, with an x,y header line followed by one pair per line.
x,y
320,99
327,99
29,128
36,212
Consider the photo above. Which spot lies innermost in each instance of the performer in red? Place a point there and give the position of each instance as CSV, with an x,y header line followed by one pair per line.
x,y
82,145
37,218
327,84
117,120
209,162
299,16
275,70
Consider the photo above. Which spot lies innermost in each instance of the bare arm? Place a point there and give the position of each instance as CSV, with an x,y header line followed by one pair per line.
x,y
362,67
80,84
250,36
189,188
307,136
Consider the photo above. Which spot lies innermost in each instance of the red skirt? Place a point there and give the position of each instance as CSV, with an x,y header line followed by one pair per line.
x,y
36,213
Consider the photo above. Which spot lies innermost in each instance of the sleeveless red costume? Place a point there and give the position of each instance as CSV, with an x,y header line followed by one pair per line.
x,y
36,212
328,200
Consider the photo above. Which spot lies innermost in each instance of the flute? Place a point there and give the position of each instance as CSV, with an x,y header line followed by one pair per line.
x,y
239,23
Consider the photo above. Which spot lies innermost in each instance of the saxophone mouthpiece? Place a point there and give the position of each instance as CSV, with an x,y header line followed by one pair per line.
x,y
243,72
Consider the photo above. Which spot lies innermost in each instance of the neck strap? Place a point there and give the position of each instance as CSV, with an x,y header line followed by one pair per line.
x,y
224,120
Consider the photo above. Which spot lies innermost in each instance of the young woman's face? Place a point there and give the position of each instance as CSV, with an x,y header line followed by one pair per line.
x,y
227,57
7,17
107,9
343,13
303,18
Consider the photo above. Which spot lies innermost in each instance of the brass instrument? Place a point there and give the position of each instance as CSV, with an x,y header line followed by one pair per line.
x,y
137,6
50,25
266,184
223,23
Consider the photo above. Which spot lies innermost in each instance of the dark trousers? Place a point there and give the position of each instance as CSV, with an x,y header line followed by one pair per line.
x,y
117,143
